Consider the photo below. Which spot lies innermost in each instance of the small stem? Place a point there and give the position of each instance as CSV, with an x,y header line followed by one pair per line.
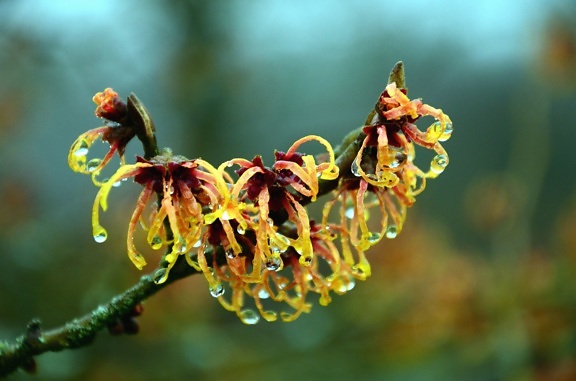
x,y
142,122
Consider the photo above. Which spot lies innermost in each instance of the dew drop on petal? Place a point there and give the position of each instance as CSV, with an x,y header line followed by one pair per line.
x,y
349,213
263,293
100,235
160,276
439,163
273,264
93,164
350,284
354,169
240,230
447,132
82,149
331,233
249,316
217,290
306,260
397,156
230,254
373,238
226,216
391,231
198,243
183,249
156,242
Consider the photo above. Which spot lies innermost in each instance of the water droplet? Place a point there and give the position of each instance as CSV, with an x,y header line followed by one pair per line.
x,y
396,156
111,123
447,132
240,230
93,164
306,260
117,184
331,233
217,290
391,231
270,315
349,213
354,169
270,222
373,238
350,284
343,284
82,149
198,243
100,235
263,293
282,283
156,242
170,189
230,254
183,248
273,264
439,163
160,276
249,316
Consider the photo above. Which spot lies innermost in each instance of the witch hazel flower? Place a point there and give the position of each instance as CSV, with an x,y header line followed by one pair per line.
x,y
186,188
117,132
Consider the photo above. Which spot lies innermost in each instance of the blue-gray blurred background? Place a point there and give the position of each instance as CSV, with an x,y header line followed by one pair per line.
x,y
481,285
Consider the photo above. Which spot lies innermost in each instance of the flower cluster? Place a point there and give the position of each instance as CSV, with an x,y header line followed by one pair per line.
x,y
245,226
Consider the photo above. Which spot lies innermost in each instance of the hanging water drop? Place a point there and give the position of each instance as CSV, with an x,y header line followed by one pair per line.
x,y
355,169
182,247
447,132
263,293
100,235
396,156
156,242
349,213
306,260
198,243
217,290
391,231
331,233
248,316
373,238
343,284
111,123
93,164
230,254
439,163
350,284
273,264
226,216
240,230
82,149
160,276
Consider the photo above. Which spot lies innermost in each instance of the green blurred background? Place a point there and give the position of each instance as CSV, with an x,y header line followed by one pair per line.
x,y
481,284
